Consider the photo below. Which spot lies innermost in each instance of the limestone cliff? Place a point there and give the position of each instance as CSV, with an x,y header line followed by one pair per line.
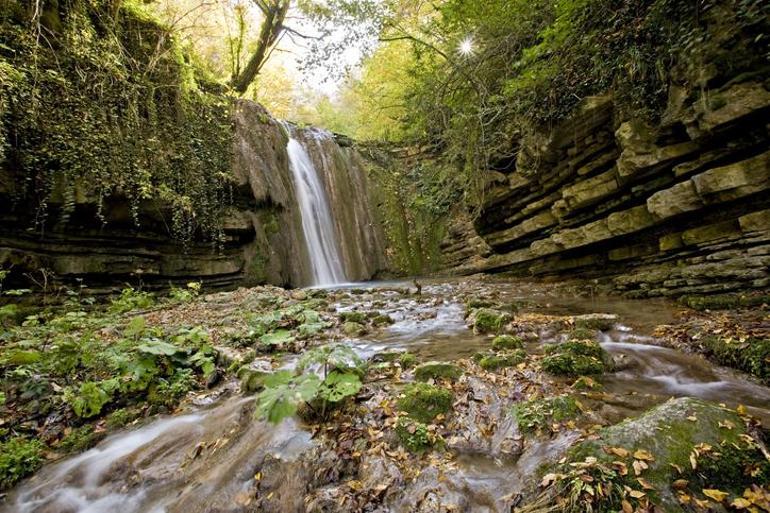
x,y
681,206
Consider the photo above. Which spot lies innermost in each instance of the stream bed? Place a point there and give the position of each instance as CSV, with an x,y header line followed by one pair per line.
x,y
215,457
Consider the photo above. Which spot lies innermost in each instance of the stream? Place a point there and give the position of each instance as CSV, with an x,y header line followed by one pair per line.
x,y
208,458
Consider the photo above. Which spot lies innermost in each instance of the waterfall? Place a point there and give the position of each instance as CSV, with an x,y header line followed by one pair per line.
x,y
317,222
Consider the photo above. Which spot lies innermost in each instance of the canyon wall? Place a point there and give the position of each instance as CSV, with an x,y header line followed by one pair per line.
x,y
262,238
681,206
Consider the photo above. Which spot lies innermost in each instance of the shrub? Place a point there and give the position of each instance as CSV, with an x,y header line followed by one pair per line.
x,y
414,435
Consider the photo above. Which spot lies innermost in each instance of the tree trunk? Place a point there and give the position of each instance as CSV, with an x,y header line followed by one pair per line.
x,y
272,26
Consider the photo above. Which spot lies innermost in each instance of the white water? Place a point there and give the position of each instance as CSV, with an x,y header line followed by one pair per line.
x,y
317,221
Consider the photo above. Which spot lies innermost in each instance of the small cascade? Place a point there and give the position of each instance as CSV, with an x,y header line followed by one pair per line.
x,y
317,221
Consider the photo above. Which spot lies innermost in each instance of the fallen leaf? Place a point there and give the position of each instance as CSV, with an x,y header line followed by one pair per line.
x,y
641,454
717,495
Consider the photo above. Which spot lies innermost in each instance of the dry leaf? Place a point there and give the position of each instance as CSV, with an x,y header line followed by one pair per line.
x,y
717,495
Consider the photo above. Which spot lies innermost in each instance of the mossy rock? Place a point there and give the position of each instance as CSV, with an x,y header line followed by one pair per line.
x,y
567,364
423,402
437,370
407,360
600,322
581,334
725,301
415,436
575,358
354,329
486,320
353,316
538,414
382,320
502,360
388,356
751,355
251,380
670,438
503,342
475,303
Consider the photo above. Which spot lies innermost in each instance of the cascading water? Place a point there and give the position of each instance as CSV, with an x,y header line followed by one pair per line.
x,y
317,222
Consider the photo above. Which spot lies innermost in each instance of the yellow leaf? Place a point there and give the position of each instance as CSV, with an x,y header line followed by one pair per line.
x,y
740,503
641,454
693,461
639,467
741,409
636,494
717,495
627,508
619,452
645,484
680,484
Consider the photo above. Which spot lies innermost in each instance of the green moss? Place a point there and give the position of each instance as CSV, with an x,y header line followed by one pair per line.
x,y
19,457
725,301
407,360
502,342
415,436
586,383
582,334
354,329
486,320
575,358
437,370
501,360
424,402
751,355
566,364
353,316
538,414
382,320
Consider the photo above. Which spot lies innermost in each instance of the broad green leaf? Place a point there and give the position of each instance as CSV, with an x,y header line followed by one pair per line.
x,y
158,347
277,337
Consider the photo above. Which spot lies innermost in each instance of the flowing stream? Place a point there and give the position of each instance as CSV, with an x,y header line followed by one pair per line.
x,y
206,459
317,221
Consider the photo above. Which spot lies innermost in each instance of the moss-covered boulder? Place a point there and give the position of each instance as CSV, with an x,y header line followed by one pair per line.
x,y
353,316
423,402
382,320
407,360
437,370
581,334
750,355
486,320
683,451
354,329
503,342
575,358
496,361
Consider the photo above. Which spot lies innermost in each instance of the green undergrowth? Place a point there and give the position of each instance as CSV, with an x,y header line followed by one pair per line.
x,y
82,366
325,378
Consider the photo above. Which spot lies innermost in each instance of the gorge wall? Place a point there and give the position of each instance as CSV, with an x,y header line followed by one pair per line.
x,y
262,238
677,207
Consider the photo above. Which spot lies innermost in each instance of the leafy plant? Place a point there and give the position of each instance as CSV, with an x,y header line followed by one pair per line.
x,y
132,299
338,378
19,457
